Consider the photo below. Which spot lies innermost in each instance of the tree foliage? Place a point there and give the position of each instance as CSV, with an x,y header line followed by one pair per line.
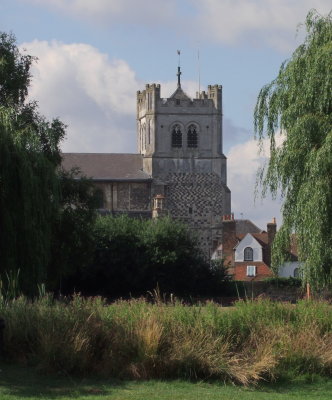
x,y
72,228
45,214
14,72
299,104
28,199
29,157
133,256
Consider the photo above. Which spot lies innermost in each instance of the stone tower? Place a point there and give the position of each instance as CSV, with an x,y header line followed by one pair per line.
x,y
181,142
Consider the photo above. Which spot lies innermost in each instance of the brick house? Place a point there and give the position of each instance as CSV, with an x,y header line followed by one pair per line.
x,y
246,250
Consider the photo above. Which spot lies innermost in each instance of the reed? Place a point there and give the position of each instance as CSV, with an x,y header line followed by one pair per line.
x,y
253,341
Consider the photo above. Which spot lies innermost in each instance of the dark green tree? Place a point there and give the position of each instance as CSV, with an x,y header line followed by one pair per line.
x,y
175,261
133,256
14,72
298,103
28,197
46,214
29,156
72,244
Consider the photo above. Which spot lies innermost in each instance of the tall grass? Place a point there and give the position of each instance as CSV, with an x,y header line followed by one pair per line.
x,y
138,339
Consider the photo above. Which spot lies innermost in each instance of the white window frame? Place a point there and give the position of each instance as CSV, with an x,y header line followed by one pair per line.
x,y
251,270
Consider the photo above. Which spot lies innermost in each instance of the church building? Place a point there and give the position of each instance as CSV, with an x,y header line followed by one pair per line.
x,y
180,169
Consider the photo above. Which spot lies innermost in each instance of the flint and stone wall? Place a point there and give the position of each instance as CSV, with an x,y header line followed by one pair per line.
x,y
198,200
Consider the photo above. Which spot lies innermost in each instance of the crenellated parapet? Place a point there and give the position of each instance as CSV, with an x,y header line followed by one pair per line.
x,y
215,93
149,101
148,98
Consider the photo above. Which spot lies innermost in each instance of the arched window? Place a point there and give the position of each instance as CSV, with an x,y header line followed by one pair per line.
x,y
296,273
176,136
144,137
248,254
149,132
192,138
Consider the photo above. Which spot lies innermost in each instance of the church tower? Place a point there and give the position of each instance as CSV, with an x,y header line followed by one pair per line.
x,y
181,142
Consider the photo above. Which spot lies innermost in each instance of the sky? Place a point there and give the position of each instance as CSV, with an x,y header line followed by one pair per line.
x,y
94,55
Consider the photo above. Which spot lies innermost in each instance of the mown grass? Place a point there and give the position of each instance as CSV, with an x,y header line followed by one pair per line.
x,y
258,341
17,383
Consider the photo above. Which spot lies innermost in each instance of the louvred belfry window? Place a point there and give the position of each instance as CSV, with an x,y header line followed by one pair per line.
x,y
176,136
192,138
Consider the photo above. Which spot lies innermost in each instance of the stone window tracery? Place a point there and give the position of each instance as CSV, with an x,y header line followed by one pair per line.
x,y
149,132
192,136
144,137
176,136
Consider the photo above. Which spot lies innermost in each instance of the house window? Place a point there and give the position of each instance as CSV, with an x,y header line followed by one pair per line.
x,y
251,270
248,254
219,253
176,136
192,138
296,273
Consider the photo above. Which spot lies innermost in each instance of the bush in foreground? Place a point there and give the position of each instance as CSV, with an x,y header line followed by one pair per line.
x,y
139,340
133,256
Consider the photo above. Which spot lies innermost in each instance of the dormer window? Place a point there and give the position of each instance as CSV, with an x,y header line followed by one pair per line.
x,y
192,138
248,254
176,136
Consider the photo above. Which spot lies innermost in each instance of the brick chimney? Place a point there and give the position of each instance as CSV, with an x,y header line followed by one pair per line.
x,y
271,231
228,234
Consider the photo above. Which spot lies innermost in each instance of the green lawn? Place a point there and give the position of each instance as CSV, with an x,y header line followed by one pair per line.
x,y
25,383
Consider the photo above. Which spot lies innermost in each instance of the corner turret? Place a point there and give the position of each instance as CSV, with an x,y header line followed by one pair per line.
x,y
215,93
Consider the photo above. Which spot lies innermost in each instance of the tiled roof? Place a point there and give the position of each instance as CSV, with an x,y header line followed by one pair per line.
x,y
261,238
106,166
180,94
244,226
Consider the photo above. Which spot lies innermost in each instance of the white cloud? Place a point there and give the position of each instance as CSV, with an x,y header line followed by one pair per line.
x,y
92,94
272,22
243,163
150,12
254,22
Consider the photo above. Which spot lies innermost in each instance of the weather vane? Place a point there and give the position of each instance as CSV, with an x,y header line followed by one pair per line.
x,y
179,71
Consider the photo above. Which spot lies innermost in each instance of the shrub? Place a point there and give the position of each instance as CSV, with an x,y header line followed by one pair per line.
x,y
133,256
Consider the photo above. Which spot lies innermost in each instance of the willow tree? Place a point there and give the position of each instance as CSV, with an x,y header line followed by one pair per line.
x,y
29,158
298,104
29,193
